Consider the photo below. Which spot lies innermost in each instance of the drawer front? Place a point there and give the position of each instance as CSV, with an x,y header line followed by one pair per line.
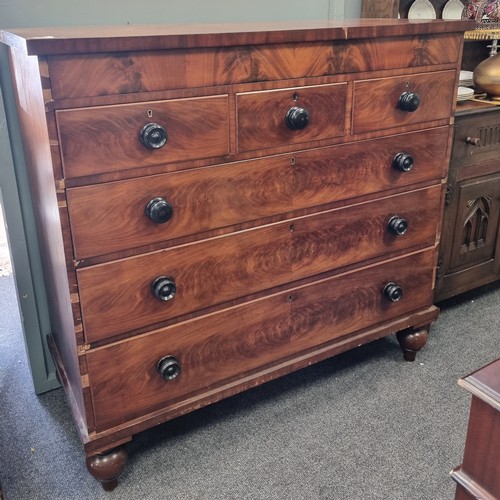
x,y
117,297
212,349
215,197
149,71
477,138
375,104
269,119
108,138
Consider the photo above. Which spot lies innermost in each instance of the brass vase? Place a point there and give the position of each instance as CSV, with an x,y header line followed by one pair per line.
x,y
486,77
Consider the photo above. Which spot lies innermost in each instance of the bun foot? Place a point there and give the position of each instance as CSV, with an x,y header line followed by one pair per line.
x,y
106,467
412,340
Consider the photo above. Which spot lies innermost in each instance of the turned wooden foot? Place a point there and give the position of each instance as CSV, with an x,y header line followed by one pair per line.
x,y
106,467
412,340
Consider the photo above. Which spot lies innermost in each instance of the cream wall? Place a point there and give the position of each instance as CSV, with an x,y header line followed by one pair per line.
x,y
23,13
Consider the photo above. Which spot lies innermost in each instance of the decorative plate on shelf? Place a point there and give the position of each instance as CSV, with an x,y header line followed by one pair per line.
x,y
421,9
453,9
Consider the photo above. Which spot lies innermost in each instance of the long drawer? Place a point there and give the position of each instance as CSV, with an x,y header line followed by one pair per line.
x,y
156,70
111,217
124,379
117,297
111,138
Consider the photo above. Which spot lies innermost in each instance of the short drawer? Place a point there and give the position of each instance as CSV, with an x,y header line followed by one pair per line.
x,y
120,137
377,103
213,349
117,297
283,117
477,138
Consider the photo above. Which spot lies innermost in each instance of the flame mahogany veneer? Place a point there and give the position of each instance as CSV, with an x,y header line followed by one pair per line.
x,y
219,206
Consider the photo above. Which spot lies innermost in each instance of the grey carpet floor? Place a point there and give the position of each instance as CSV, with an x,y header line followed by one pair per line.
x,y
361,425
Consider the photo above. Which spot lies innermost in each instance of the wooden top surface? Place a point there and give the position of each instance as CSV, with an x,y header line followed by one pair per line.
x,y
485,383
474,107
70,40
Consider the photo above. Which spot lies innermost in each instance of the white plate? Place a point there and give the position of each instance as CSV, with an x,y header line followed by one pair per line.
x,y
453,9
421,9
464,93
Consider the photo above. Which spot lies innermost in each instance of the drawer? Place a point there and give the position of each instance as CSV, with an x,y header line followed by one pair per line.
x,y
477,139
214,349
215,197
108,138
117,297
375,105
274,118
149,71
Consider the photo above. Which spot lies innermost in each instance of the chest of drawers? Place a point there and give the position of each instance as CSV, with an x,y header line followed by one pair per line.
x,y
220,206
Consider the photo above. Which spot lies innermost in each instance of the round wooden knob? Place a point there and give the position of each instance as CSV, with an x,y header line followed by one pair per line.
x,y
473,141
297,118
409,101
168,367
397,225
164,288
153,136
159,210
393,292
403,162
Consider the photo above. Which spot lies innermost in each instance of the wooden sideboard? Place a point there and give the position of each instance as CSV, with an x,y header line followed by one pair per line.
x,y
479,475
221,205
470,242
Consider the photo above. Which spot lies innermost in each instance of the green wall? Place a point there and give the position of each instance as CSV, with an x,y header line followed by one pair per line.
x,y
14,191
22,13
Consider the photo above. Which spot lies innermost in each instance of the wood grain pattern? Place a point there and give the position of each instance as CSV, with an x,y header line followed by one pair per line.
x,y
88,40
150,71
37,158
261,116
116,297
375,101
214,197
411,53
215,348
106,138
279,244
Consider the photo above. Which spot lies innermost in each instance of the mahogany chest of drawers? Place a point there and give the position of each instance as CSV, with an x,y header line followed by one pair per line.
x,y
221,205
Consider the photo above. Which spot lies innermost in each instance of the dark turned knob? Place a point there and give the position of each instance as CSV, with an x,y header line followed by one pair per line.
x,y
473,141
403,162
297,118
159,210
397,225
409,101
168,367
393,292
164,288
153,136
